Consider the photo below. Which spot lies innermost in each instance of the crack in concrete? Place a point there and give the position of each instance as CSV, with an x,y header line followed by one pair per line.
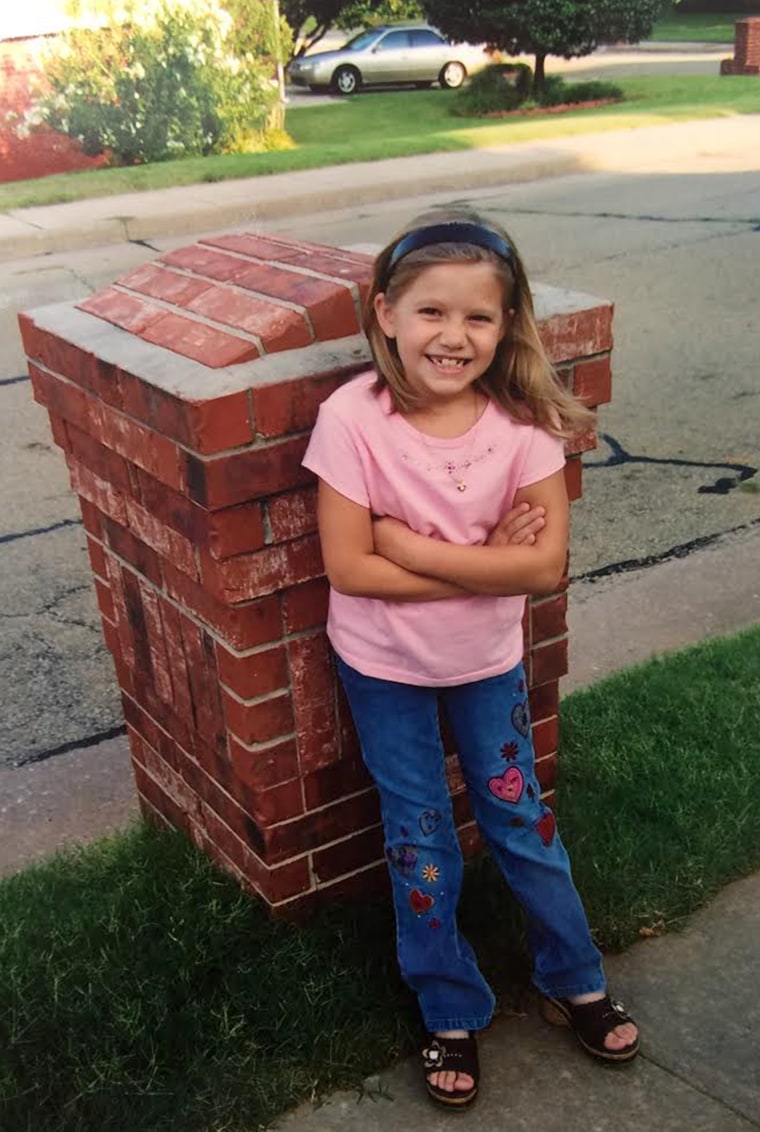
x,y
619,456
752,222
697,1087
4,381
72,745
34,531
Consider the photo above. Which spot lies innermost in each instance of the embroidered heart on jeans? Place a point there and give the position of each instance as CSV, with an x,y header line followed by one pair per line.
x,y
521,718
546,827
429,822
508,787
421,902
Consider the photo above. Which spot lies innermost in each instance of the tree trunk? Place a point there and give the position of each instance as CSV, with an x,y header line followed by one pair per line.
x,y
539,74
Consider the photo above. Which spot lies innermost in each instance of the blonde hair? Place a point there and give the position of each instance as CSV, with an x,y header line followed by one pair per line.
x,y
521,379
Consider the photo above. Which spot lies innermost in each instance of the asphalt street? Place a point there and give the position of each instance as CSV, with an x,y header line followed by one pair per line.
x,y
676,464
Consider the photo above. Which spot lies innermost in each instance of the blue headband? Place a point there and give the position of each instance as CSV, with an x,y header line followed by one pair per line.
x,y
450,232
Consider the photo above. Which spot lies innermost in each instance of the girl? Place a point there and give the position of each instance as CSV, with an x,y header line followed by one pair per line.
x,y
442,503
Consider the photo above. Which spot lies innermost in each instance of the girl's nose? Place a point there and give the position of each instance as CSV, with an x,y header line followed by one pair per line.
x,y
453,333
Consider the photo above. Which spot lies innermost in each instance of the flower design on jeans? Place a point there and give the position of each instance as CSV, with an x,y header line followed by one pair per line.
x,y
430,873
510,751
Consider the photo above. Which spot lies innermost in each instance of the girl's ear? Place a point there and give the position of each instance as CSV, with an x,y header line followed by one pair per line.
x,y
507,318
384,314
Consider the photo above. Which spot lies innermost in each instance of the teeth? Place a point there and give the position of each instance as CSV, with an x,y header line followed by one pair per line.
x,y
448,362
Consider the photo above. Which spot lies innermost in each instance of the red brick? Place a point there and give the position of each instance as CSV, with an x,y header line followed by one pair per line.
x,y
156,643
156,803
105,602
240,477
548,618
259,721
549,662
546,772
277,327
169,544
253,674
592,381
159,283
470,840
546,737
175,650
369,883
104,498
63,357
255,575
206,426
264,767
544,701
292,514
305,606
99,459
61,398
573,478
91,518
314,701
164,775
318,828
97,556
330,305
292,406
578,334
335,262
241,626
235,530
277,803
60,434
200,657
347,776
582,442
206,262
355,852
199,341
274,885
122,310
132,550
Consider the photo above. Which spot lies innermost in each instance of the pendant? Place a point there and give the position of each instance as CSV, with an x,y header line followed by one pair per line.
x,y
461,486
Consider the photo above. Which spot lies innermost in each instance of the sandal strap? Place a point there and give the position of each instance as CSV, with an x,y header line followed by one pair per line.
x,y
456,1055
595,1020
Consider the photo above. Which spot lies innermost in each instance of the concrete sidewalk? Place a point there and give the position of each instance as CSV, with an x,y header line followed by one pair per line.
x,y
710,146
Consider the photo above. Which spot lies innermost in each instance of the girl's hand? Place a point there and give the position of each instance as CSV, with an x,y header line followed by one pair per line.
x,y
520,526
393,540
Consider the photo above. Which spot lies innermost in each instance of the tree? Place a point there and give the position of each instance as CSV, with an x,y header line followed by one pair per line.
x,y
544,27
312,19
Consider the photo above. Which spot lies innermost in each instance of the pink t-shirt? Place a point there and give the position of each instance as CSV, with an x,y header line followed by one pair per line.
x,y
373,456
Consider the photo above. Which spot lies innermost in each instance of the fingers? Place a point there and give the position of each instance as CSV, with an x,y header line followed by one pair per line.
x,y
519,526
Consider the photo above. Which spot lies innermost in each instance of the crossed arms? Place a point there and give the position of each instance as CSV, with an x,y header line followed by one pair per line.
x,y
383,558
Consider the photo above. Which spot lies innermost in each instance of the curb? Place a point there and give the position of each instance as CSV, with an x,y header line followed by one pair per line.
x,y
191,209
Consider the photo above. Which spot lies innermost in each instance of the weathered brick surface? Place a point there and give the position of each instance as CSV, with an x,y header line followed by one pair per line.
x,y
202,535
746,58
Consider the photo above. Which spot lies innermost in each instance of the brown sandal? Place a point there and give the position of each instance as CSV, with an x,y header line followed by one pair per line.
x,y
591,1022
457,1055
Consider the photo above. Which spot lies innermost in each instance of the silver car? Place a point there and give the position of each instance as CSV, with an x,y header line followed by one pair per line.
x,y
384,55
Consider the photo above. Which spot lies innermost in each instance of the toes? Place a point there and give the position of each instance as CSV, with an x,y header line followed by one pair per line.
x,y
463,1082
621,1036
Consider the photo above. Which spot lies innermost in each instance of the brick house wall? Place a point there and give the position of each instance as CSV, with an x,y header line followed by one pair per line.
x,y
183,397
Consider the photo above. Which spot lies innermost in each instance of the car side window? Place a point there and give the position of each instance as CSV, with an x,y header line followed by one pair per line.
x,y
423,38
393,41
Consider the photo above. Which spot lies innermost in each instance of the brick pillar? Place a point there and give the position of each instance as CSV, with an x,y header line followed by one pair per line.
x,y
746,60
183,397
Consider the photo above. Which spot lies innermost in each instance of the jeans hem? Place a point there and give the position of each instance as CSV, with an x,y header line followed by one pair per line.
x,y
571,990
458,1023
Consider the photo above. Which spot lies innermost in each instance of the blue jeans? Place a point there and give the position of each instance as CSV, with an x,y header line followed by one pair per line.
x,y
401,745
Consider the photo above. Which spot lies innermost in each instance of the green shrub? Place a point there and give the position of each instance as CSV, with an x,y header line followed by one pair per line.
x,y
556,91
168,85
502,86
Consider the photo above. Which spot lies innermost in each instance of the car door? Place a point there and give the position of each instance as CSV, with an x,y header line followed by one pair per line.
x,y
389,60
429,54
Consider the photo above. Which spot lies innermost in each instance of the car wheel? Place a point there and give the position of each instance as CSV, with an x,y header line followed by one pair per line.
x,y
346,80
453,75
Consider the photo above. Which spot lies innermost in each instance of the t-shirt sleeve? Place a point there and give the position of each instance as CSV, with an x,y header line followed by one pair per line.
x,y
332,454
544,457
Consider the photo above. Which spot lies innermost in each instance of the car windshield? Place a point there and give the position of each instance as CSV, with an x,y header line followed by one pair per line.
x,y
360,41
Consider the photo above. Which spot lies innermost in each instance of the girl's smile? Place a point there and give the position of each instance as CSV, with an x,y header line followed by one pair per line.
x,y
447,326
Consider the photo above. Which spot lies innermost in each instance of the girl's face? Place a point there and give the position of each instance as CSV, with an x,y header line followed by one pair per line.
x,y
447,325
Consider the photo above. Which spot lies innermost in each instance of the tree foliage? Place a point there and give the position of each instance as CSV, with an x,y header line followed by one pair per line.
x,y
312,19
544,27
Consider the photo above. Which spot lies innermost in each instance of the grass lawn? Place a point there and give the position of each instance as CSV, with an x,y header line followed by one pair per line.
x,y
141,992
368,127
696,27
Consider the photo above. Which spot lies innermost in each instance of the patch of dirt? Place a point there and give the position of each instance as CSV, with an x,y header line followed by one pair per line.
x,y
562,108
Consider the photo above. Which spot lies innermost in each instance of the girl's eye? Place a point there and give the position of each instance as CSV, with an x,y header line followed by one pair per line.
x,y
429,311
481,318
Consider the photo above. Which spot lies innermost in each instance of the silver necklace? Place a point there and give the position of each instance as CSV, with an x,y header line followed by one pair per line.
x,y
456,470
